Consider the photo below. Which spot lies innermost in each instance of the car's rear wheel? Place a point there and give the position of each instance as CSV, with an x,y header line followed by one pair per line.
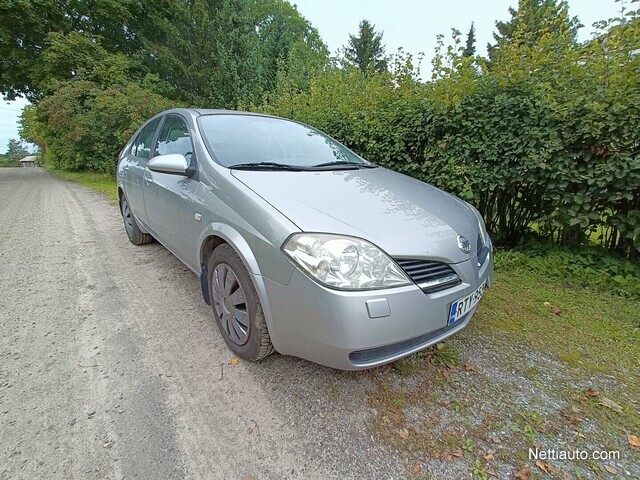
x,y
236,306
136,236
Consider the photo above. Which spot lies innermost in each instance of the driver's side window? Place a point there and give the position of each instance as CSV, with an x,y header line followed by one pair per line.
x,y
174,138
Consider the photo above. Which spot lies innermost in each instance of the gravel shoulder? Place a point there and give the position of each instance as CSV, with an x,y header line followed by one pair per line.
x,y
111,366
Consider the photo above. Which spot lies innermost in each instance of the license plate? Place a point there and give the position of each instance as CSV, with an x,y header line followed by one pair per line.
x,y
461,307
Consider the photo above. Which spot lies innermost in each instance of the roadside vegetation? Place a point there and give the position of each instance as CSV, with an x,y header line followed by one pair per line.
x,y
102,182
547,362
15,152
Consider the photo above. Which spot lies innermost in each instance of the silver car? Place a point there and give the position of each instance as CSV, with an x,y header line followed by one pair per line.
x,y
302,246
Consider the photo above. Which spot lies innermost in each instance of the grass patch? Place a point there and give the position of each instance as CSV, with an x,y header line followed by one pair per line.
x,y
558,355
588,329
588,267
101,182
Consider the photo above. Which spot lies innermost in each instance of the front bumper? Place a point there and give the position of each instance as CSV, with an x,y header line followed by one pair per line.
x,y
358,330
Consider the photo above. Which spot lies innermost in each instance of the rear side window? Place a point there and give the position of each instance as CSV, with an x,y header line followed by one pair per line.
x,y
142,146
174,138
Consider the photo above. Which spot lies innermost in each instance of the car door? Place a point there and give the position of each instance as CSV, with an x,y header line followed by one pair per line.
x,y
169,198
134,166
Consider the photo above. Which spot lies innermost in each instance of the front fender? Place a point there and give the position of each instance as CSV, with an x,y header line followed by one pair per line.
x,y
233,238
242,248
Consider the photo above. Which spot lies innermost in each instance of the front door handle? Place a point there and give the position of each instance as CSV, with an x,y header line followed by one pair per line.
x,y
125,168
147,181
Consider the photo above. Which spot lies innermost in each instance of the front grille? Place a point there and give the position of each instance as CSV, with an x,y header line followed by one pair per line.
x,y
430,276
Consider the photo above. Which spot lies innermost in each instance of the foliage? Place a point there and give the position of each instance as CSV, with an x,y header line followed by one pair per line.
x,y
470,45
107,66
16,150
24,27
206,52
84,124
289,46
530,22
543,140
365,50
586,267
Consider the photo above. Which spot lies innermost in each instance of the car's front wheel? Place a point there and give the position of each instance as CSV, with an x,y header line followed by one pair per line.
x,y
136,236
236,306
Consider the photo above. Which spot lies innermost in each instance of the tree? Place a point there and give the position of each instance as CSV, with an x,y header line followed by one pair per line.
x,y
26,26
81,124
16,150
470,48
203,52
291,49
365,51
531,22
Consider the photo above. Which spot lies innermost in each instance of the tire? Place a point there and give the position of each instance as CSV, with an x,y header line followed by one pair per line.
x,y
136,236
236,306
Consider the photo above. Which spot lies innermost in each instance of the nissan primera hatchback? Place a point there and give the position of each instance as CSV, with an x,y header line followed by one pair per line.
x,y
302,246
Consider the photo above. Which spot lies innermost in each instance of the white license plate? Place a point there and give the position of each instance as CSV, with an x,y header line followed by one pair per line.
x,y
461,307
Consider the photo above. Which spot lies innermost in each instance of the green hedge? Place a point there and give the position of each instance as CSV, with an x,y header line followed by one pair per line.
x,y
551,149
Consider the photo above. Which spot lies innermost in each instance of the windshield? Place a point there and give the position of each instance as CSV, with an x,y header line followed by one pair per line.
x,y
247,140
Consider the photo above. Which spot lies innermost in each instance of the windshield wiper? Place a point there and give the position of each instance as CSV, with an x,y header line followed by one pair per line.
x,y
265,166
343,164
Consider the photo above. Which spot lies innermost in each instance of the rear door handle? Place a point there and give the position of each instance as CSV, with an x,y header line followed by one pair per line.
x,y
147,180
125,168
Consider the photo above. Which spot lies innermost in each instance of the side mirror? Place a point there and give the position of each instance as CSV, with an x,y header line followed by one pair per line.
x,y
172,163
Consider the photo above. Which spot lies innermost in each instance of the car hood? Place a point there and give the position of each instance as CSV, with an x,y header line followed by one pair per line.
x,y
401,215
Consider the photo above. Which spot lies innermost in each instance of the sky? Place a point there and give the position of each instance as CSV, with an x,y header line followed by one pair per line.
x,y
410,24
414,24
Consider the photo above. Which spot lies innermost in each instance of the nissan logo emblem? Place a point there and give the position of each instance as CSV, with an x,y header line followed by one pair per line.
x,y
464,244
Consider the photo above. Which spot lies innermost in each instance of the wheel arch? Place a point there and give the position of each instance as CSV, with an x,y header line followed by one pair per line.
x,y
217,234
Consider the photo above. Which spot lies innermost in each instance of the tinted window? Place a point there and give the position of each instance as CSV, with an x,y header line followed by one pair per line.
x,y
142,146
237,139
174,138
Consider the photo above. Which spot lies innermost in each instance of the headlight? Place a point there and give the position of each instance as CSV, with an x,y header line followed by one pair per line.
x,y
344,262
481,225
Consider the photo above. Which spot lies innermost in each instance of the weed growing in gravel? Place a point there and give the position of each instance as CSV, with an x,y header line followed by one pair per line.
x,y
442,354
479,471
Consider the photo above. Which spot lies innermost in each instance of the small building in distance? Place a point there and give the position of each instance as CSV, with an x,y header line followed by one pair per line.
x,y
28,161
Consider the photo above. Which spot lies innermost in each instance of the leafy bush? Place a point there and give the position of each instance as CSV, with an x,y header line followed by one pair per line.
x,y
84,125
586,267
8,162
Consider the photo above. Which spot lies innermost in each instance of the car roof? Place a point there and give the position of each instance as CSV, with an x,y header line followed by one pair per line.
x,y
212,111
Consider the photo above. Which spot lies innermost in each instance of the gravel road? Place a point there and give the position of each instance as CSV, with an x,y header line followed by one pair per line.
x,y
111,365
